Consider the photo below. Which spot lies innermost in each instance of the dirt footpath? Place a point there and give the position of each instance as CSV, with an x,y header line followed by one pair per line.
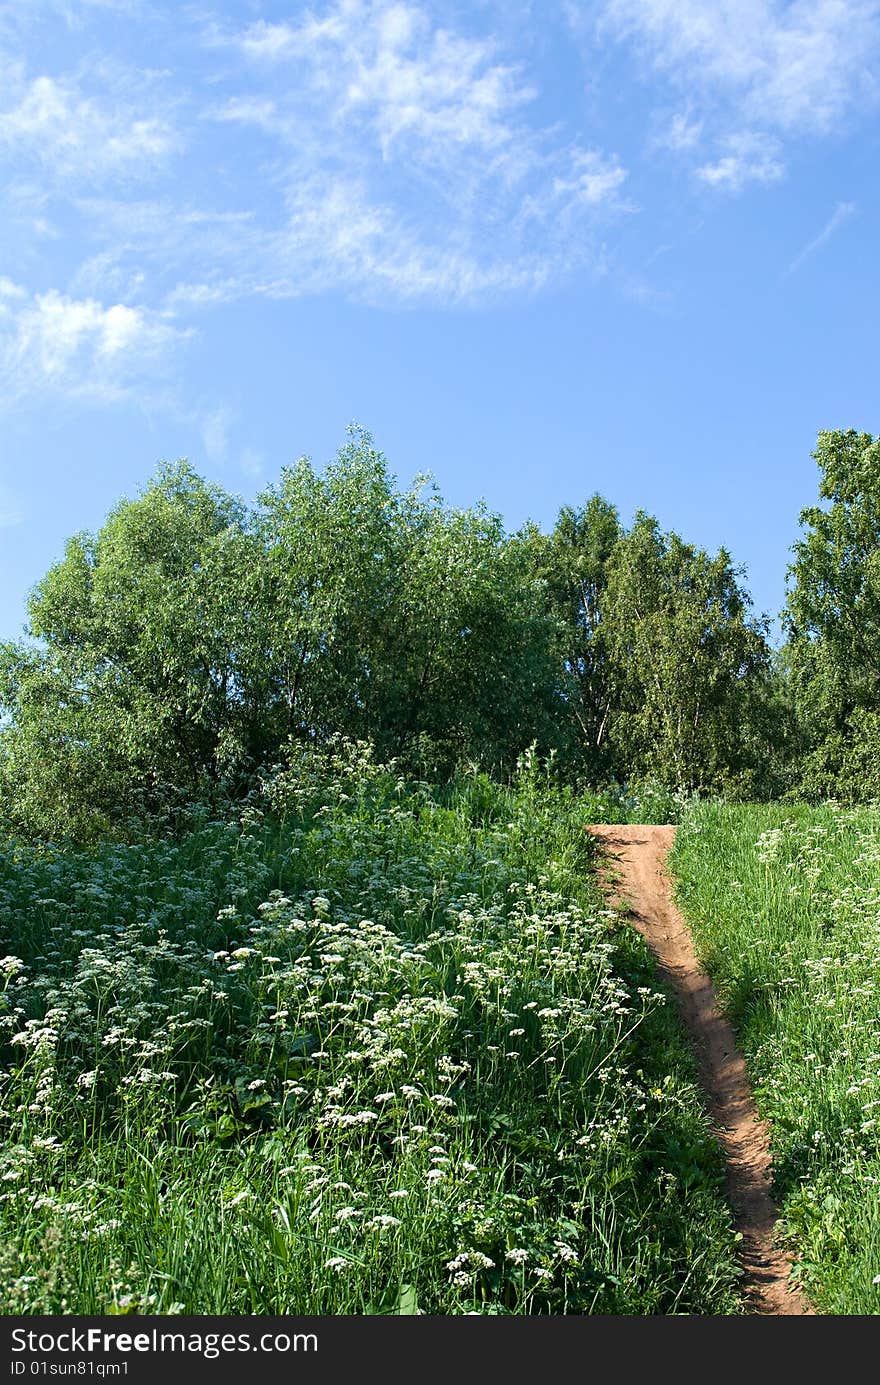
x,y
638,880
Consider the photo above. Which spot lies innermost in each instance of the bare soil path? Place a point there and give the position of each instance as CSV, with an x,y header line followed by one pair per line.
x,y
642,885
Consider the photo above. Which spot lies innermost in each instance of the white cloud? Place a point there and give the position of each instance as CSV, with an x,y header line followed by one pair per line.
x,y
593,179
796,65
250,110
385,67
10,290
436,88
197,295
76,136
408,164
79,348
215,427
747,158
25,206
337,235
842,213
263,42
202,255
679,135
756,75
380,150
77,14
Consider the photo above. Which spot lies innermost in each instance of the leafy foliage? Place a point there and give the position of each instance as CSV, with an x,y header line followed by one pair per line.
x,y
288,1027
691,669
143,679
783,902
370,1045
832,658
572,563
177,653
188,641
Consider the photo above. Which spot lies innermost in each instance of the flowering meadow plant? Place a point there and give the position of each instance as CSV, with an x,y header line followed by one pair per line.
x,y
785,906
367,1047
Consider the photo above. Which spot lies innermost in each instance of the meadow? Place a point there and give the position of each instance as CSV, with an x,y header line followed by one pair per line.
x,y
310,998
784,903
363,1047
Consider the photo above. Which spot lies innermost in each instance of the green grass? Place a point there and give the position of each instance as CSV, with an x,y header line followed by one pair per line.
x,y
371,1048
785,907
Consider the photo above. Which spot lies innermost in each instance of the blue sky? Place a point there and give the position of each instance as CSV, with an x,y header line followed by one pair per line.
x,y
538,250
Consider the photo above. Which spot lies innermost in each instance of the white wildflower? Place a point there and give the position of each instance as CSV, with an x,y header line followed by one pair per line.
x,y
239,1197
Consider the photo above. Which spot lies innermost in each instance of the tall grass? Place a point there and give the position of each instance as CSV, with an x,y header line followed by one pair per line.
x,y
639,801
785,906
371,1048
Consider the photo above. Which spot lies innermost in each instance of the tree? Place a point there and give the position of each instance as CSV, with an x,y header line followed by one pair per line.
x,y
399,620
181,647
178,651
572,562
140,680
832,622
688,669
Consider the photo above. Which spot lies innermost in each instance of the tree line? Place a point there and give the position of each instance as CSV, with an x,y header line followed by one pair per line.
x,y
180,650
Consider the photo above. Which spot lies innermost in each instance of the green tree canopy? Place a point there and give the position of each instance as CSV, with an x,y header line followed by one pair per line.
x,y
688,666
663,671
180,648
176,652
396,619
140,676
832,622
572,563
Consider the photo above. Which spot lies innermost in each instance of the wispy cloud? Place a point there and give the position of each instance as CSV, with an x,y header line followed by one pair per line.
x,y
389,157
680,134
399,152
746,158
795,66
390,68
408,164
592,180
215,425
78,348
751,69
9,291
16,19
336,233
73,135
842,213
